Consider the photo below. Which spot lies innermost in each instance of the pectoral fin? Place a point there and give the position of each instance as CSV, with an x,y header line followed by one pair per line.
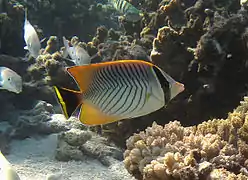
x,y
43,40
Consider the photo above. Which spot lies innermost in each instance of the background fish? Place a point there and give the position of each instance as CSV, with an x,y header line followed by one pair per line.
x,y
117,90
78,54
131,13
6,170
10,80
31,38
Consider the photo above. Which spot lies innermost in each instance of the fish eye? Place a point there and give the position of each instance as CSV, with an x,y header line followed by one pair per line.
x,y
9,79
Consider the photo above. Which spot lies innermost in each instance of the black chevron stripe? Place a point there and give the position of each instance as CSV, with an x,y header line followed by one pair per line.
x,y
130,81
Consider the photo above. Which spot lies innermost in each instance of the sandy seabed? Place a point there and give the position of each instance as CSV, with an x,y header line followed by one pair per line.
x,y
33,159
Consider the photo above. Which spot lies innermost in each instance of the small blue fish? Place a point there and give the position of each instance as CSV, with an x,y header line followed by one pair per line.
x,y
31,38
10,80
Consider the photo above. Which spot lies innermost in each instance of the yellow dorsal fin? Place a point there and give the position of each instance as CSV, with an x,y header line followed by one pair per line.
x,y
83,74
91,115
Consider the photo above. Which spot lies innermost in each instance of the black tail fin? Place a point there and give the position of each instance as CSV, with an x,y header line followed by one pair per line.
x,y
68,99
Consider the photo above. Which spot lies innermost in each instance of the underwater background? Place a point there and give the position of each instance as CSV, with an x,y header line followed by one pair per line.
x,y
201,134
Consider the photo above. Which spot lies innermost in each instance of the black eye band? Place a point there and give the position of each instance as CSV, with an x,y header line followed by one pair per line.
x,y
165,85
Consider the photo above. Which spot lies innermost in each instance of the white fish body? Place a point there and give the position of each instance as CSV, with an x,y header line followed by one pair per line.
x,y
146,97
10,80
31,38
117,90
82,56
7,172
77,54
68,50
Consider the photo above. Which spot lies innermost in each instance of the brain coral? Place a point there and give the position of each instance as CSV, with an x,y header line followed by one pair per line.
x,y
211,150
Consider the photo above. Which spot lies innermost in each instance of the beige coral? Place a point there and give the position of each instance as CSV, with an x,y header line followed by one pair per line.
x,y
52,45
213,149
222,173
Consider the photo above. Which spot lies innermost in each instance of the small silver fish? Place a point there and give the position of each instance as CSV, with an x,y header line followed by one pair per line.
x,y
10,80
78,54
131,13
7,172
31,38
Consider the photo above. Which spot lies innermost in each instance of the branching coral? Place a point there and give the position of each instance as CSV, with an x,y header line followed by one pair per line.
x,y
213,149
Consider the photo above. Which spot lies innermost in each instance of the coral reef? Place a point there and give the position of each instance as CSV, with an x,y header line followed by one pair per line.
x,y
21,124
102,149
69,17
200,43
68,143
40,120
213,149
78,144
26,123
11,24
210,50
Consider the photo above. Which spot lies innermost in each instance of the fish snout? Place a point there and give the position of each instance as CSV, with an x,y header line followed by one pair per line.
x,y
18,88
15,87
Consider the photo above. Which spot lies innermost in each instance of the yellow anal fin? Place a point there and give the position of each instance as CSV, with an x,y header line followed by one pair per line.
x,y
90,115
